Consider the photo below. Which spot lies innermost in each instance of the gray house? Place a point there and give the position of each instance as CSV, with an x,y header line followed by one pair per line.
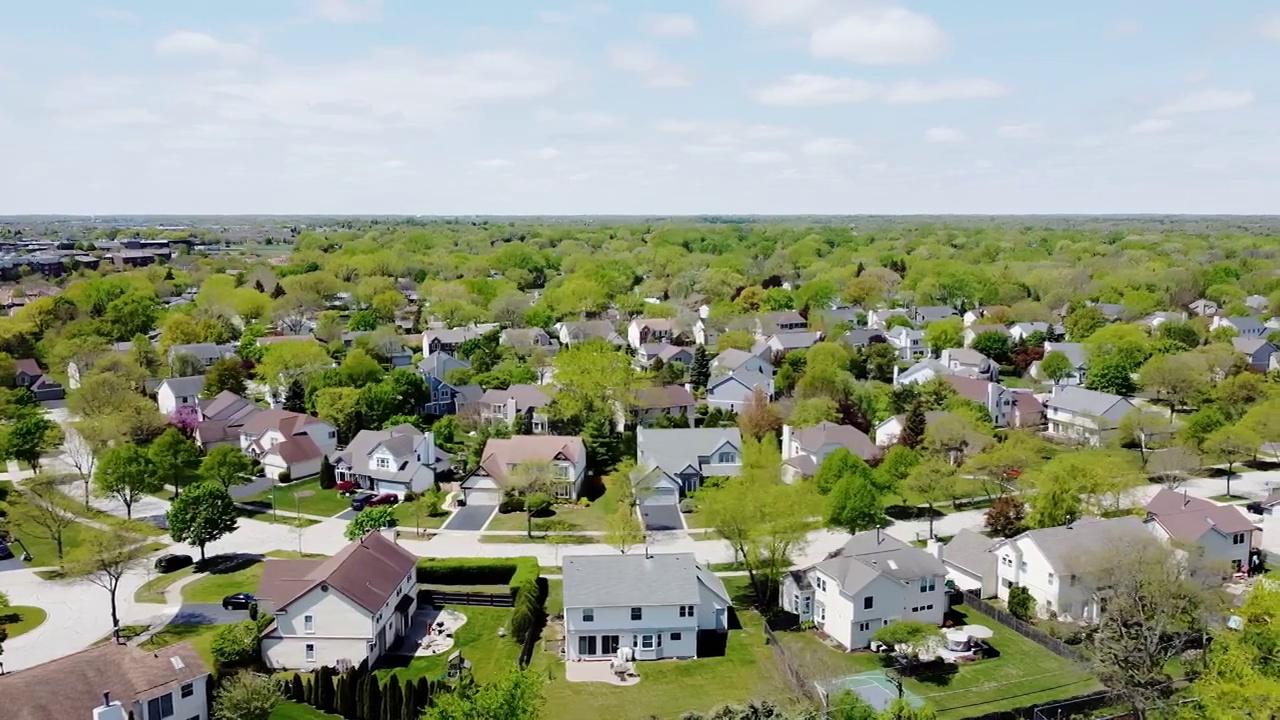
x,y
1256,350
433,369
397,460
675,462
734,390
206,353
1076,414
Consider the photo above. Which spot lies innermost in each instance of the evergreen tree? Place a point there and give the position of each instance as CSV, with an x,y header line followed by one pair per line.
x,y
362,699
297,692
257,285
295,397
393,703
373,700
327,480
700,371
914,426
324,694
409,709
278,291
426,690
855,504
339,688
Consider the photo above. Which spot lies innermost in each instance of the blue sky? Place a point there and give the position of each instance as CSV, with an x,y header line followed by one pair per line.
x,y
702,106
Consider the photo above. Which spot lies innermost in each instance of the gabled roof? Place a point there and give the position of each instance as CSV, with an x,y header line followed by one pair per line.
x,y
970,357
1074,352
1082,401
829,433
974,389
438,364
366,572
501,453
28,366
637,579
970,551
602,329
666,396
673,450
869,555
794,340
1033,326
733,359
747,378
1188,518
226,405
1078,548
299,448
286,422
184,386
771,320
1245,323
526,396
1251,345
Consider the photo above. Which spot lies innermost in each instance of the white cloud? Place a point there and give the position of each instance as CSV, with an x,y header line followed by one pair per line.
x,y
1151,126
1196,76
1207,101
676,127
394,164
654,70
1270,28
1024,131
670,25
825,147
494,164
110,118
763,157
545,153
577,123
818,90
347,11
198,44
867,32
944,135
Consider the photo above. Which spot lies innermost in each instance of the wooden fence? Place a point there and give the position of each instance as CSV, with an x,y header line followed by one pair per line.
x,y
444,597
1025,629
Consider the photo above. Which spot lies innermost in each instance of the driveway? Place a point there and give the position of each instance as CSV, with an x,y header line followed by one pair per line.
x,y
207,614
661,517
470,517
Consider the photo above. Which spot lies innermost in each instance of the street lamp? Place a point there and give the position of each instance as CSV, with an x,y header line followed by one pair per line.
x,y
297,507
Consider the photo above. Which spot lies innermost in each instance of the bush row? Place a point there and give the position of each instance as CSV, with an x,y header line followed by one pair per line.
x,y
513,572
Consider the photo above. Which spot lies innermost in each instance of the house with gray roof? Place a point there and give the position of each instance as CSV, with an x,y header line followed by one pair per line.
x,y
174,393
1204,307
908,342
772,323
1257,352
863,337
677,461
875,579
221,419
653,403
1257,303
732,360
734,390
506,405
527,340
395,460
1019,332
206,353
447,340
925,314
433,369
968,560
804,449
1078,415
785,342
1245,326
649,352
653,604
572,333
1075,355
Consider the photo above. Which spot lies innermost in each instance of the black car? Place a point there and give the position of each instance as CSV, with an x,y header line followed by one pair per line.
x,y
239,601
359,501
5,552
169,563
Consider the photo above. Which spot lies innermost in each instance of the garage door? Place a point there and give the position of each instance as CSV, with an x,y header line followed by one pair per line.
x,y
661,495
390,487
483,496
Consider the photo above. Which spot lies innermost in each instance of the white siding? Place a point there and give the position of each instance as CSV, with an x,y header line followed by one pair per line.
x,y
194,706
655,619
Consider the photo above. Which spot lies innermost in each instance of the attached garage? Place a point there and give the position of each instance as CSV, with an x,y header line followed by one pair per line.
x,y
481,490
661,495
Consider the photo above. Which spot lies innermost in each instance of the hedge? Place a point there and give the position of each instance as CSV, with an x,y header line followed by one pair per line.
x,y
513,572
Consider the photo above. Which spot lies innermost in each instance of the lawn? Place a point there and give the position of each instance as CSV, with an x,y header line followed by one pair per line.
x,y
21,619
200,637
77,508
406,521
491,656
153,590
43,551
325,503
538,539
1229,498
257,512
290,710
212,588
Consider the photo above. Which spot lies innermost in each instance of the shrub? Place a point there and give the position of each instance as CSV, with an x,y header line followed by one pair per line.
x,y
537,503
687,506
284,478
410,496
584,503
1021,604
235,644
253,611
511,505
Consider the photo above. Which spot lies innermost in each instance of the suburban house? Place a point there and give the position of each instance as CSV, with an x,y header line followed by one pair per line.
x,y
221,419
973,315
1059,566
997,399
1028,411
972,332
183,392
288,442
879,317
572,333
528,340
772,323
1257,303
206,353
447,340
922,372
505,406
925,314
642,331
909,343
1075,354
1245,327
874,580
395,460
706,331
1019,332
1221,532
785,342
864,337
1110,311
732,360
566,455
677,461
887,431
649,352
1257,352
1076,414
734,391
968,362
654,605
969,561
434,368
29,375
1153,321
652,403
1204,307
110,681
351,607
804,449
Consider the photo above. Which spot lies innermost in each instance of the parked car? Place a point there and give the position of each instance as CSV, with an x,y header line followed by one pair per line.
x,y
360,500
385,499
364,500
346,487
169,563
239,601
5,552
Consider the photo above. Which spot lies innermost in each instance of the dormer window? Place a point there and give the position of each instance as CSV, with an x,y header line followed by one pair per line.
x,y
727,457
382,463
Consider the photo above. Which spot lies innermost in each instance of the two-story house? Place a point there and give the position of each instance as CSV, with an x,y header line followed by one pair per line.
x,y
878,318
733,360
908,342
1080,415
676,461
395,460
434,370
925,314
859,338
968,362
287,442
1060,566
1246,326
572,333
221,419
1220,532
804,449
506,406
652,403
997,399
774,323
351,607
447,340
1075,355
974,315
707,330
528,340
972,332
1203,307
888,431
111,681
651,606
566,456
1257,352
183,392
1153,321
28,374
642,331
206,353
874,580
1019,332
785,342
733,391
649,352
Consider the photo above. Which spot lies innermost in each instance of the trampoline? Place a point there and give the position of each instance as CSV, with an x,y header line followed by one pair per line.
x,y
874,687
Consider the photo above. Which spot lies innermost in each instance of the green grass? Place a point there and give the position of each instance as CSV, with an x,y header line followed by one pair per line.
x,y
200,637
43,550
1229,498
325,503
21,619
555,597
261,514
541,539
490,656
290,710
212,588
406,521
153,590
77,508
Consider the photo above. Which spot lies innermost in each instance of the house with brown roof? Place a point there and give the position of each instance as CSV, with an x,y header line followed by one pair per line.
x,y
351,607
653,403
28,374
110,682
221,418
496,472
804,449
994,397
288,442
498,405
1221,532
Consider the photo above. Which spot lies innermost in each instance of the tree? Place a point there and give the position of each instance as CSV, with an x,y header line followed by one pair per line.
x,y
185,365
593,381
700,370
29,438
933,481
246,696
1006,517
894,468
131,315
104,561
1241,678
1176,379
339,406
914,426
227,466
623,529
1232,444
837,466
1110,374
993,344
42,516
360,369
1083,322
1264,421
201,515
126,473
914,637
735,340
943,334
1021,604
855,504
953,435
514,696
758,418
176,459
1144,429
528,480
1199,427
238,644
284,362
1181,333
225,375
80,455
1096,480
370,519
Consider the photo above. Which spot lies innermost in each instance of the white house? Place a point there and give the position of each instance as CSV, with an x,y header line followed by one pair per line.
x,y
350,607
969,561
110,681
887,431
804,449
396,460
654,330
707,330
734,391
1221,532
1059,566
732,360
969,363
571,333
677,461
997,399
922,372
874,580
1245,327
1019,332
772,323
908,342
499,405
174,393
1076,414
650,606
567,457
288,442
972,332
879,317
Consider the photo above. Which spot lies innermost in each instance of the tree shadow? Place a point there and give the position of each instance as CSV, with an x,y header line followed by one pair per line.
x,y
911,512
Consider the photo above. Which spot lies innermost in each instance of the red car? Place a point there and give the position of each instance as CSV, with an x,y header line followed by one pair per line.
x,y
384,499
346,486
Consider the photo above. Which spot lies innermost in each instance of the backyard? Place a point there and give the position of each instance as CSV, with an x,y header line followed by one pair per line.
x,y
490,656
290,710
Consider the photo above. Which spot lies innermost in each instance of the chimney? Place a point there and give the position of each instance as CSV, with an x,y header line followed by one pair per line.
x,y
786,442
109,710
895,374
934,548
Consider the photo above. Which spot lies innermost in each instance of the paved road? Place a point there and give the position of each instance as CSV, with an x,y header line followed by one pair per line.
x,y
207,614
470,517
661,517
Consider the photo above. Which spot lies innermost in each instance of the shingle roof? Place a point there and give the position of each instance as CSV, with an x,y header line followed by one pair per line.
x,y
1245,323
1082,400
400,441
182,386
636,579
974,389
795,340
829,433
781,317
28,366
748,378
871,554
672,450
526,396
968,356
970,551
1250,345
438,364
367,572
501,453
602,329
1078,548
1188,518
72,686
732,359
299,448
665,396
1074,352
288,423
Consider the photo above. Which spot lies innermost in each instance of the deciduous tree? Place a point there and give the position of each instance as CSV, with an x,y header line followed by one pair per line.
x,y
933,481
201,515
246,696
126,473
104,561
42,514
225,375
1056,366
176,459
369,519
758,418
1232,444
226,466
29,438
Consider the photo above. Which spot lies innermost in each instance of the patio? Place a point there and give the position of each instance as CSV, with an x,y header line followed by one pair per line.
x,y
598,671
431,631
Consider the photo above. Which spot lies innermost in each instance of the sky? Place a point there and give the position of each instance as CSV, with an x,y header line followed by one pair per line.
x,y
550,107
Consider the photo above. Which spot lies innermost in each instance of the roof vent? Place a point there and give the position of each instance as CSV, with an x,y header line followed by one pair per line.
x,y
893,565
177,663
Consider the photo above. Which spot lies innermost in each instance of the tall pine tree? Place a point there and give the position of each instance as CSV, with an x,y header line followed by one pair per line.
x,y
373,700
700,371
914,425
295,397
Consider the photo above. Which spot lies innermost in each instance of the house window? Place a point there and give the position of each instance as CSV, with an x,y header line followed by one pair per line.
x,y
187,690
308,623
1023,566
807,605
676,637
1237,539
311,653
637,613
686,611
822,613
868,602
864,627
928,607
562,472
822,583
646,642
383,463
333,434
161,707
588,614
1050,578
586,644
727,458
928,584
